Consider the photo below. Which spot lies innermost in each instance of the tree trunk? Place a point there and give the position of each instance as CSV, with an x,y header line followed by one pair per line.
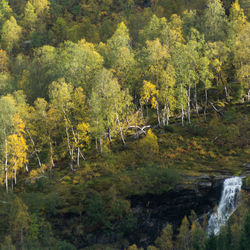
x,y
96,144
109,135
6,165
188,110
71,152
81,154
51,155
123,141
182,111
225,88
78,156
142,116
158,114
164,115
100,145
35,149
195,99
72,164
226,93
168,111
205,108
182,115
15,173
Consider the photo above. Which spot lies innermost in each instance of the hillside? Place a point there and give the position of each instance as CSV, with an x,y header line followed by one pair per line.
x,y
119,122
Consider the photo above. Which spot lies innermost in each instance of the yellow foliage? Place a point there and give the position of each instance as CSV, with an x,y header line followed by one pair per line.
x,y
133,247
148,146
149,94
181,138
83,135
203,152
180,150
19,123
35,173
172,156
211,154
195,145
232,152
17,148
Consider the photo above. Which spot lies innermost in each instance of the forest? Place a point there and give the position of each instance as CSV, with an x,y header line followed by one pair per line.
x,y
104,100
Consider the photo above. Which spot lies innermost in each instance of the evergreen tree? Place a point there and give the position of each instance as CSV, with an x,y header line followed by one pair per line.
x,y
183,238
245,232
164,242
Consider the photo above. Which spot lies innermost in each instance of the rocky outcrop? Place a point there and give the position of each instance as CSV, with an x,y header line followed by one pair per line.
x,y
154,212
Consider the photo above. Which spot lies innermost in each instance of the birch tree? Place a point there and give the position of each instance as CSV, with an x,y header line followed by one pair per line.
x,y
69,104
108,106
214,21
17,149
11,34
7,111
167,93
155,59
206,78
119,57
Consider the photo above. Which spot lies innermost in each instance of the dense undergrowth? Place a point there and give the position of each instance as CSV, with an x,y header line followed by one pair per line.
x,y
63,210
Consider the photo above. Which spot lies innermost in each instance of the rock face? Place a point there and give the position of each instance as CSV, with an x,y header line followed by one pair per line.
x,y
154,212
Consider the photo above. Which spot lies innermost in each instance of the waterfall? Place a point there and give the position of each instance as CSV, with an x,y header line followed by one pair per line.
x,y
227,206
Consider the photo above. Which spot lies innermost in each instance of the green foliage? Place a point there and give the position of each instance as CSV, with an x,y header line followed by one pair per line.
x,y
244,237
78,77
169,128
5,11
214,20
102,210
11,33
147,180
196,129
148,146
164,242
8,245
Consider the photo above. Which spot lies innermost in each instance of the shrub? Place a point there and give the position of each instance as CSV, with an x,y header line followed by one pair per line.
x,y
169,128
196,130
148,146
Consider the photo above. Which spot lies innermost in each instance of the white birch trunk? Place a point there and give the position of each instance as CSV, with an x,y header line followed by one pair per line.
x,y
122,137
33,143
100,140
205,108
6,166
188,110
158,114
195,99
168,111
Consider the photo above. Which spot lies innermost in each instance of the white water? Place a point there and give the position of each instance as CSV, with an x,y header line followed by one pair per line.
x,y
227,206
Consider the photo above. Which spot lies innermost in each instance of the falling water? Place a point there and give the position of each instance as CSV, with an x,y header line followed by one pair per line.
x,y
227,206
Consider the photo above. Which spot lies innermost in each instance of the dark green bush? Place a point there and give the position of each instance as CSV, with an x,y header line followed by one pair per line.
x,y
169,128
196,130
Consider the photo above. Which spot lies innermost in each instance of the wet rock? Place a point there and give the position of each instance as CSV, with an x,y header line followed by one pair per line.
x,y
170,207
205,185
247,165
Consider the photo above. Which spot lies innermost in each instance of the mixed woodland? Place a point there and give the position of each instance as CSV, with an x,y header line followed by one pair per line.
x,y
101,100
